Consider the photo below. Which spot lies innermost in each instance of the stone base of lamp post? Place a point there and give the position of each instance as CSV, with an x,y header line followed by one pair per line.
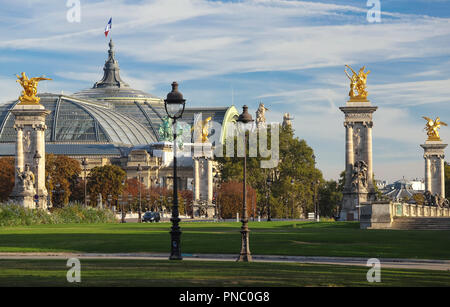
x,y
175,235
245,255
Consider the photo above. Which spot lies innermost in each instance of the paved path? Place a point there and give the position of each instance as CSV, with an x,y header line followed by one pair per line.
x,y
424,264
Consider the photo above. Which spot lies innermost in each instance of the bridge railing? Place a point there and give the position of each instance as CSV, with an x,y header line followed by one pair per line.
x,y
414,210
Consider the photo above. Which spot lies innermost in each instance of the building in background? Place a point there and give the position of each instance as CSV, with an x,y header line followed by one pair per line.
x,y
112,123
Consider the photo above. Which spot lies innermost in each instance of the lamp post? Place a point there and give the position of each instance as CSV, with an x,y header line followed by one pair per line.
x,y
317,201
292,211
174,105
139,171
315,183
244,119
122,203
217,186
269,183
84,164
36,159
49,198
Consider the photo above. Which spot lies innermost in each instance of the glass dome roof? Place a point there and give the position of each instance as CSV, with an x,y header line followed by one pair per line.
x,y
73,120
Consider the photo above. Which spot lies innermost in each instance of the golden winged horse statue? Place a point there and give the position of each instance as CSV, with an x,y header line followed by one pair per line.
x,y
29,89
432,128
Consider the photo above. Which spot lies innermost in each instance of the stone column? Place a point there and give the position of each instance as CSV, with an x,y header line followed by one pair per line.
x,y
41,190
442,172
196,180
434,154
369,152
30,118
349,154
210,181
19,148
427,174
358,119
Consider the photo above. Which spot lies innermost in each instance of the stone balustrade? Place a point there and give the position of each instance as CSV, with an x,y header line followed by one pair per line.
x,y
413,210
380,214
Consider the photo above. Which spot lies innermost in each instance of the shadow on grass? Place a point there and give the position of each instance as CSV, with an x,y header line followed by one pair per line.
x,y
206,274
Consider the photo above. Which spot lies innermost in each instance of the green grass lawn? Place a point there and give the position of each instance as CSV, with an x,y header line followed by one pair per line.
x,y
206,274
269,238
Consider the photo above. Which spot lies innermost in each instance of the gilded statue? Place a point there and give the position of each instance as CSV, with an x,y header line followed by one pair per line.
x,y
205,128
358,84
29,89
200,128
432,128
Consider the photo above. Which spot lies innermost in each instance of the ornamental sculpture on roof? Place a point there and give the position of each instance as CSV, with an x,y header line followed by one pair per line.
x,y
358,91
432,127
29,86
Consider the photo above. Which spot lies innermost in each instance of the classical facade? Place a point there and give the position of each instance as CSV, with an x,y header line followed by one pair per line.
x,y
112,123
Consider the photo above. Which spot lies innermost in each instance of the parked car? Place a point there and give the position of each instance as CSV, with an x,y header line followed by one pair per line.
x,y
151,217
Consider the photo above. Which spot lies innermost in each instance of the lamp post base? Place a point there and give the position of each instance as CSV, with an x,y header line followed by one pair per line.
x,y
175,248
245,255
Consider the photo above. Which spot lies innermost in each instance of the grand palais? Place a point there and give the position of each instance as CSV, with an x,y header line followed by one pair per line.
x,y
112,123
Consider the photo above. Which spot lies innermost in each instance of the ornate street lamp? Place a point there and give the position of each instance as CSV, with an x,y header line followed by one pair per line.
x,y
139,171
269,183
316,184
217,184
244,121
317,201
292,184
84,164
121,200
174,105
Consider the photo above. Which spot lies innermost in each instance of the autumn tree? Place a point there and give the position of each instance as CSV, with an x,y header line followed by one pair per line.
x,y
62,174
105,180
187,197
7,174
296,163
230,199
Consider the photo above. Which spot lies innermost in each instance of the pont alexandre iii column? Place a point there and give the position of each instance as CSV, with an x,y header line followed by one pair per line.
x,y
196,180
358,157
434,167
29,187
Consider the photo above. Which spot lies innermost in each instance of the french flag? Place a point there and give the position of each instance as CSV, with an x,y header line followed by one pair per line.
x,y
108,27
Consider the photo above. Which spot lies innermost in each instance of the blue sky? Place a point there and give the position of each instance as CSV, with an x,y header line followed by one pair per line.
x,y
288,54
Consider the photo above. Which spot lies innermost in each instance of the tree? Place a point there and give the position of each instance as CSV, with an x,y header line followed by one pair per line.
x,y
230,199
296,163
330,198
62,174
105,180
186,204
7,174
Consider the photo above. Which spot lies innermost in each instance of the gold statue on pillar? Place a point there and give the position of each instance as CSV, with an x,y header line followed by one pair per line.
x,y
29,86
432,127
201,126
358,83
205,131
